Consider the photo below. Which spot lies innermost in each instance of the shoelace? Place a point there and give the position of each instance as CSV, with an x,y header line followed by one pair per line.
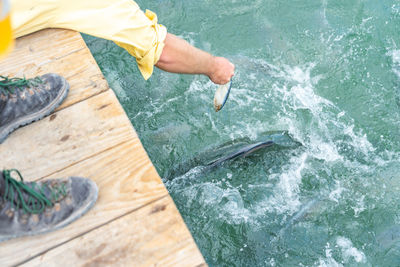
x,y
37,200
9,85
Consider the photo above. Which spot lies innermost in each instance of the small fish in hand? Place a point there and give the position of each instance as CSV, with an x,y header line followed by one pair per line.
x,y
221,95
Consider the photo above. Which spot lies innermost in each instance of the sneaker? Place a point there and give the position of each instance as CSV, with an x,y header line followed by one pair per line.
x,y
23,101
31,208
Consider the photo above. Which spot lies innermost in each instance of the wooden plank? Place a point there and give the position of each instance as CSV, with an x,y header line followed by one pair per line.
x,y
67,137
151,236
126,179
83,76
91,136
40,48
35,55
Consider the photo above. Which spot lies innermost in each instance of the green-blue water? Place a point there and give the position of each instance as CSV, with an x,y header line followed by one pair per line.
x,y
327,75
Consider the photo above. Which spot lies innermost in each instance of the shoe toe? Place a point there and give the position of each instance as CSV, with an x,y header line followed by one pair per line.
x,y
84,191
55,81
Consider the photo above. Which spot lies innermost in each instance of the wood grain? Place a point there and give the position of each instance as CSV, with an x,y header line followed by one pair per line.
x,y
57,51
127,181
134,222
151,236
67,137
40,48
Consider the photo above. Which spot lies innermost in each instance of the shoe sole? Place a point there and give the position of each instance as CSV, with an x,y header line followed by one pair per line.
x,y
78,214
6,130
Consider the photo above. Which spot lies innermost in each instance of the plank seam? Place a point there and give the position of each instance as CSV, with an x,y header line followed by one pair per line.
x,y
61,57
86,158
84,99
95,228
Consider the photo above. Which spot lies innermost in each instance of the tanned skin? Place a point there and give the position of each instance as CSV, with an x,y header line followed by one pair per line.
x,y
178,56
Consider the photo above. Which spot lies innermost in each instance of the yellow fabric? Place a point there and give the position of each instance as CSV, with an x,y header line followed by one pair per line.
x,y
121,21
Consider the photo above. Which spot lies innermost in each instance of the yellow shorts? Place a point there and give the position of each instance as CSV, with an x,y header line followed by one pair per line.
x,y
121,21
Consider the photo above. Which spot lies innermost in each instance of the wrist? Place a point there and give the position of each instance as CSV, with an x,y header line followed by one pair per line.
x,y
211,66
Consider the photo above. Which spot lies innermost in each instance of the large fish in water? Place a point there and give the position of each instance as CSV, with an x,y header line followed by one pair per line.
x,y
244,151
215,156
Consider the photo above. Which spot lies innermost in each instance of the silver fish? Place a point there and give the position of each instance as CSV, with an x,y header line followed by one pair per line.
x,y
221,95
244,151
214,156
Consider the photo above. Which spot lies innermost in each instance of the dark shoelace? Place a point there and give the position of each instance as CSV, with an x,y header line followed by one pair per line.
x,y
9,85
37,200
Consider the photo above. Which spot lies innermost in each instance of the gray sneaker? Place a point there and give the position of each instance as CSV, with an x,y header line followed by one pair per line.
x,y
31,208
23,101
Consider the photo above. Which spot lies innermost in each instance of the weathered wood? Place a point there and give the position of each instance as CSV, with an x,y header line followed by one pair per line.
x,y
67,137
127,181
57,51
134,222
40,48
151,236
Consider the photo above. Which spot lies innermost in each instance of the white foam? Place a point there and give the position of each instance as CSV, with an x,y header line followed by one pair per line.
x,y
191,174
396,61
297,94
340,114
164,105
303,97
271,262
336,193
285,196
349,251
359,141
329,261
226,203
250,130
323,13
234,208
396,9
360,206
324,151
293,92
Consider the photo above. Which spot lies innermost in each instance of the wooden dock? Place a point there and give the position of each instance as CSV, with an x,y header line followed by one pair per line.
x,y
134,222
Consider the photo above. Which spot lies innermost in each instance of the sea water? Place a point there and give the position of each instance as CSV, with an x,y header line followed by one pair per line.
x,y
325,75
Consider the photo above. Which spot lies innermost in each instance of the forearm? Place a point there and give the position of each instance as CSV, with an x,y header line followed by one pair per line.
x,y
178,56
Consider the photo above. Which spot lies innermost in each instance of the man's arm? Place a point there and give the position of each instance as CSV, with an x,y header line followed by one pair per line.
x,y
179,56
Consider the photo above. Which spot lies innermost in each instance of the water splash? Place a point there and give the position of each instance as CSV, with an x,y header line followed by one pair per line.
x,y
327,74
349,251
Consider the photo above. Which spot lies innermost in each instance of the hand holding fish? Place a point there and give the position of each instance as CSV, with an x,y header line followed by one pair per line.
x,y
222,73
180,57
221,70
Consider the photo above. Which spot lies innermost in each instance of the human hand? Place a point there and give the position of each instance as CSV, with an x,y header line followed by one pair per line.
x,y
221,70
